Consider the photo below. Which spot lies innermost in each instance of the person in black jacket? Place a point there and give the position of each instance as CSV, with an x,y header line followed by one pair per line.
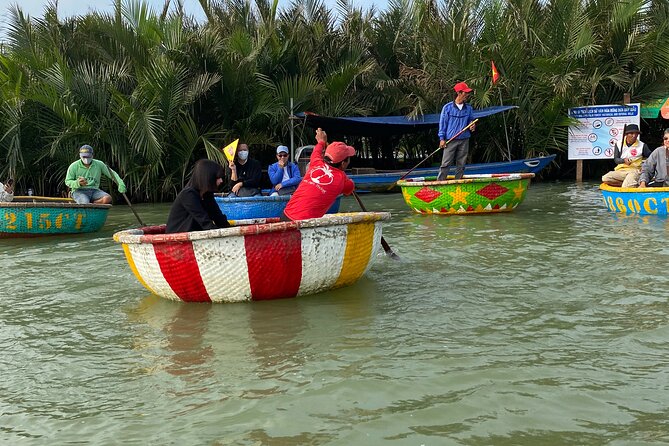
x,y
245,174
195,207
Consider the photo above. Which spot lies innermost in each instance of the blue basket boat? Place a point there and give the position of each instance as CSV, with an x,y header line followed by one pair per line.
x,y
42,216
633,200
259,206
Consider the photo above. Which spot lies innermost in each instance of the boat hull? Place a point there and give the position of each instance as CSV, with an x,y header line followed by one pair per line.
x,y
267,260
44,218
385,182
639,201
259,206
470,195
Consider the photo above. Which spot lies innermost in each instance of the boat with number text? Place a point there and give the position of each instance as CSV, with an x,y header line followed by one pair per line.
x,y
255,259
33,216
632,200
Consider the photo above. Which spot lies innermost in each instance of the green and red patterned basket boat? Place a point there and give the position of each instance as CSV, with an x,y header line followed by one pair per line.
x,y
473,194
29,216
266,259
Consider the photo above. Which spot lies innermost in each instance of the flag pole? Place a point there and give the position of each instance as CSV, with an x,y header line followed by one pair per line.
x,y
506,133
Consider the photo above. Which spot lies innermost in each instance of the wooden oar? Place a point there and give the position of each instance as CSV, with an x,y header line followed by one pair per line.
x,y
438,149
126,197
386,246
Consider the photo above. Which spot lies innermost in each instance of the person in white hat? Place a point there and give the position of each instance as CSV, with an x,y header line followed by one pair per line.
x,y
83,178
284,175
628,158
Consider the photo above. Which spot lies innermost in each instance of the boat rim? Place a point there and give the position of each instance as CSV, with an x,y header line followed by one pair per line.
x,y
644,190
481,178
257,226
51,204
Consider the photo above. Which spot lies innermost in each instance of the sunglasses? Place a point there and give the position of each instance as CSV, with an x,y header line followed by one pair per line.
x,y
282,155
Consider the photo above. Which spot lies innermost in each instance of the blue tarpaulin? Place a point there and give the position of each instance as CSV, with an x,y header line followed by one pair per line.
x,y
385,125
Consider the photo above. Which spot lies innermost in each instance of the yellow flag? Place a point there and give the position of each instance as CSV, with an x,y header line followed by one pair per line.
x,y
230,150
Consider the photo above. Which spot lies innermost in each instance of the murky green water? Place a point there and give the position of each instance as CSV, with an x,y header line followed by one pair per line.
x,y
548,325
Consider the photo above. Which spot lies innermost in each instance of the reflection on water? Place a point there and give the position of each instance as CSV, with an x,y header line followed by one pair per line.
x,y
546,325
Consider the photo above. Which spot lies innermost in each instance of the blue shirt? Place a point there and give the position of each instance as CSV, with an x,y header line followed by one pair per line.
x,y
452,120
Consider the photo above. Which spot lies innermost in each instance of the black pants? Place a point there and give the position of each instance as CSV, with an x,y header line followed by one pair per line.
x,y
655,184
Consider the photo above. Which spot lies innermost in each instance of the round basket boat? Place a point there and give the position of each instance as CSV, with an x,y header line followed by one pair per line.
x,y
640,201
259,206
41,216
473,194
265,260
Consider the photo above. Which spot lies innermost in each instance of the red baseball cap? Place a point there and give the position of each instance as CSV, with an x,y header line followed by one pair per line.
x,y
338,151
462,86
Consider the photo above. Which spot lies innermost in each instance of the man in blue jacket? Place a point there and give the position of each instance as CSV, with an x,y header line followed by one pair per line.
x,y
284,175
455,116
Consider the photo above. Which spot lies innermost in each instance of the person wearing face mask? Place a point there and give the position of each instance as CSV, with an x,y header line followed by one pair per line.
x,y
83,178
245,174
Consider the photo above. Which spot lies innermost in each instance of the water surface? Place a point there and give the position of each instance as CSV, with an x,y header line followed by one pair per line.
x,y
547,325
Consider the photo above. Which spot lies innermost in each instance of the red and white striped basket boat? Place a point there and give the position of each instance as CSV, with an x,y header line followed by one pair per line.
x,y
256,259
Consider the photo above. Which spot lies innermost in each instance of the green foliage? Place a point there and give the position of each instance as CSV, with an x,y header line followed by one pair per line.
x,y
155,91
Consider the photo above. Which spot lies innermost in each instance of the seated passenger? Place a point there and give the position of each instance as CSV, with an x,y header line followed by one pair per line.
x,y
654,169
7,191
323,182
628,159
245,174
284,175
195,208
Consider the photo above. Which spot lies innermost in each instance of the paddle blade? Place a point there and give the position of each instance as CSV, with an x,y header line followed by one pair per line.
x,y
230,150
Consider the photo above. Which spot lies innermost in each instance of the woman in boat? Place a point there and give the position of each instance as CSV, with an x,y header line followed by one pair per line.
x,y
323,182
195,207
284,175
628,158
245,174
654,169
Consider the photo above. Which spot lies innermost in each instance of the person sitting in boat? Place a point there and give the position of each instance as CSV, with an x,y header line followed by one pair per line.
x,y
7,191
323,182
83,178
245,174
195,208
628,158
284,175
654,170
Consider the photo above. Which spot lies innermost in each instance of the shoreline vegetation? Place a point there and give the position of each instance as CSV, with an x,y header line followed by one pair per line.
x,y
154,91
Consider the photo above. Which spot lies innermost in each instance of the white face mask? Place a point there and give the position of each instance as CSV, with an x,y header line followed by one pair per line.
x,y
86,161
243,155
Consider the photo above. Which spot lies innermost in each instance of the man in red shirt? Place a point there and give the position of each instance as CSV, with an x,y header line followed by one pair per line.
x,y
323,182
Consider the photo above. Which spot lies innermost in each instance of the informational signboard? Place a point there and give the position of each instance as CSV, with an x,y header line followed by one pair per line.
x,y
599,128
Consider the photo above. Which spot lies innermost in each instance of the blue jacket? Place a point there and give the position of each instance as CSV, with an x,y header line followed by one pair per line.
x,y
452,120
276,175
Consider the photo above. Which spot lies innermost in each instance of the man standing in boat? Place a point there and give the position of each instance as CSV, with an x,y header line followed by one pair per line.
x,y
83,178
628,158
323,182
455,116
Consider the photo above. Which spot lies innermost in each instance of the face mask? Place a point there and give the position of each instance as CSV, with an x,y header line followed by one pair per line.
x,y
86,161
243,155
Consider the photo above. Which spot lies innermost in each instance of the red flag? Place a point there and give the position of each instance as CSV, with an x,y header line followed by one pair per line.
x,y
495,73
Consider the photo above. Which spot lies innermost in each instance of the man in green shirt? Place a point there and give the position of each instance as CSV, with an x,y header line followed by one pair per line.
x,y
83,177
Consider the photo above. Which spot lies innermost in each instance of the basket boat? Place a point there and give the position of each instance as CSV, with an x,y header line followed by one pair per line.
x,y
473,194
640,201
42,216
254,260
259,206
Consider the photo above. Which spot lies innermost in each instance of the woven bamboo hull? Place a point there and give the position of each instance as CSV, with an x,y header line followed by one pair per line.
x,y
640,201
263,261
474,194
42,218
259,206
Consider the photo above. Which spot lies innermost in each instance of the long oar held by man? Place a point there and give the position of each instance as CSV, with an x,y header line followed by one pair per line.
x,y
464,129
386,246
